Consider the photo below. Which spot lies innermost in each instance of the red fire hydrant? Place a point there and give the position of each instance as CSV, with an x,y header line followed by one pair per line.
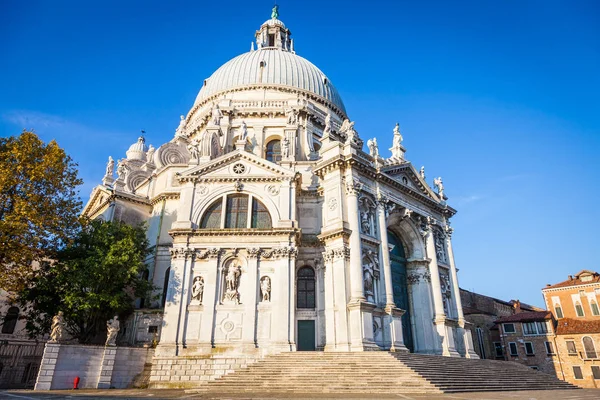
x,y
76,383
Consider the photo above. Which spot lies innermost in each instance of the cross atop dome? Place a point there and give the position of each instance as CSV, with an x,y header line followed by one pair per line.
x,y
273,34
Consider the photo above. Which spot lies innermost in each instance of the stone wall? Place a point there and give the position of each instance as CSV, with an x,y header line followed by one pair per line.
x,y
96,366
183,372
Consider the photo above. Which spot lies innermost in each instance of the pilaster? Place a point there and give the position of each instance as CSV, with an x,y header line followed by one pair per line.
x,y
106,369
47,367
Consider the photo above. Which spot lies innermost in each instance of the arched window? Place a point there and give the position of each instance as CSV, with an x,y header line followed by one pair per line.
x,y
274,150
166,286
305,288
588,346
241,212
237,211
10,320
594,307
261,219
212,217
558,311
579,309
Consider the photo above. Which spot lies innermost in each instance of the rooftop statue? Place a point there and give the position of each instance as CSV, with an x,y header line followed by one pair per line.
x,y
327,129
373,147
437,182
275,12
243,131
422,172
110,167
397,135
181,128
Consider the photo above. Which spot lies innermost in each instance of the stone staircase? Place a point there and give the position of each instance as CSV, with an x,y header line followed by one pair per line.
x,y
379,372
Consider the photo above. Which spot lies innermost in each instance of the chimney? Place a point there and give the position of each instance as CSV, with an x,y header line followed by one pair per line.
x,y
570,277
517,306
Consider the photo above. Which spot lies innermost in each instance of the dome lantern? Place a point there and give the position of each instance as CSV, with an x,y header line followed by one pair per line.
x,y
273,34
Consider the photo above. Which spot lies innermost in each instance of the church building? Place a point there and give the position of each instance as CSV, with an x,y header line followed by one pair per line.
x,y
275,229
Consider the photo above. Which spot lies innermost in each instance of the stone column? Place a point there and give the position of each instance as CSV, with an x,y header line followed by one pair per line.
x,y
439,318
175,304
425,338
465,333
251,298
436,287
385,255
292,298
356,273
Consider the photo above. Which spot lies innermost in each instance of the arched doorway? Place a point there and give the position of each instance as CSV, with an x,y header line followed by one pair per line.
x,y
400,286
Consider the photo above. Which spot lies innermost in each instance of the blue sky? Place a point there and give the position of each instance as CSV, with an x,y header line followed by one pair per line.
x,y
499,98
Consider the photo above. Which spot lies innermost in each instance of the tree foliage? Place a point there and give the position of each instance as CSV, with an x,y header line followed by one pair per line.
x,y
96,276
39,204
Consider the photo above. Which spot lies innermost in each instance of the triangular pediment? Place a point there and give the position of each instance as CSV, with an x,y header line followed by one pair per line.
x,y
407,175
238,165
98,200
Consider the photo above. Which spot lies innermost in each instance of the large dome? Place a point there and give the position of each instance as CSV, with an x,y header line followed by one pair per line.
x,y
273,67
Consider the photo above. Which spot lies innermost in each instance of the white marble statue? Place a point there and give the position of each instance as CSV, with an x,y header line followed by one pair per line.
x,y
439,185
110,167
327,129
150,153
422,172
285,147
291,115
397,136
194,149
215,115
198,288
265,288
122,169
373,147
58,327
243,131
232,281
112,330
180,131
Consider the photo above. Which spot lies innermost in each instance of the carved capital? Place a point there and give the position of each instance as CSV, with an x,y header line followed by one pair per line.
x,y
353,187
253,252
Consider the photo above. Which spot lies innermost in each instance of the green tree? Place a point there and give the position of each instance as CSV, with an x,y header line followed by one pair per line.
x,y
39,204
96,276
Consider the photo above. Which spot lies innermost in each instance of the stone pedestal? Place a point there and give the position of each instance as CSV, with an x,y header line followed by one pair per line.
x,y
361,326
394,321
240,144
106,370
46,373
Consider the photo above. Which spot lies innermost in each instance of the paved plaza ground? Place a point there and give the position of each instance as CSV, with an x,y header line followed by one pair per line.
x,y
584,394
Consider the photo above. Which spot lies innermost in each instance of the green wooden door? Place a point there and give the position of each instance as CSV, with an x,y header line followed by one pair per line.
x,y
306,336
400,286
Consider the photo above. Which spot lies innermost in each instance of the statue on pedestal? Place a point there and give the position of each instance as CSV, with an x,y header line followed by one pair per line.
x,y
373,147
194,149
216,115
422,172
122,169
232,281
265,288
112,330
198,288
243,131
181,128
58,327
437,182
110,167
327,129
285,147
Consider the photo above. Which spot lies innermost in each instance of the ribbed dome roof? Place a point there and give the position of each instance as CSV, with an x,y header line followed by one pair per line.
x,y
137,151
279,68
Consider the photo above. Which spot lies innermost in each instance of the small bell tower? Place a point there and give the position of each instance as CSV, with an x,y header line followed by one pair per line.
x,y
273,34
